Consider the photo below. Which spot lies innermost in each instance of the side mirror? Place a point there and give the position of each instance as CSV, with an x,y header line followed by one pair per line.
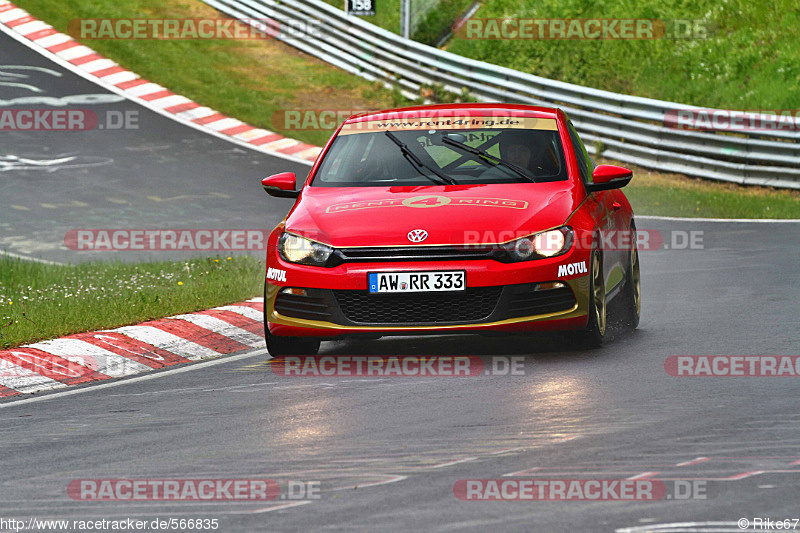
x,y
281,185
607,177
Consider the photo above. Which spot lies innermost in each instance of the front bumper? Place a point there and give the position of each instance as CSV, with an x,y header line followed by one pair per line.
x,y
499,298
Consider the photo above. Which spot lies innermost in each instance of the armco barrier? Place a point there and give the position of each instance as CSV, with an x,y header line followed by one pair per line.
x,y
629,128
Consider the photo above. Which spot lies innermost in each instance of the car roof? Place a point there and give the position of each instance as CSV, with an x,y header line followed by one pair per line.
x,y
425,111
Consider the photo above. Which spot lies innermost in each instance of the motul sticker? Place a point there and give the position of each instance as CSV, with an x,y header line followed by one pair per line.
x,y
571,269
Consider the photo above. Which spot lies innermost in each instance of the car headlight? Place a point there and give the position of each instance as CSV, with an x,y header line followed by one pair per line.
x,y
539,246
296,249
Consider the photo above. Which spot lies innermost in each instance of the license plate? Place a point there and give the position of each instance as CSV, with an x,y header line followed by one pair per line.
x,y
417,281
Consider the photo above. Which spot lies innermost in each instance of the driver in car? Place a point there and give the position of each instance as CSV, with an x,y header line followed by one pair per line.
x,y
527,149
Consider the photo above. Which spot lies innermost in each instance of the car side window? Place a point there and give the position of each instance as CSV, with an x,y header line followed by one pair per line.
x,y
585,163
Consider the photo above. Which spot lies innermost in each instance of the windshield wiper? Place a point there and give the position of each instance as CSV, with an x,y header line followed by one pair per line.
x,y
491,158
418,164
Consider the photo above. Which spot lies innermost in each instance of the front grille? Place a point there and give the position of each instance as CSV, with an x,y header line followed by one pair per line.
x,y
471,305
532,302
298,306
410,253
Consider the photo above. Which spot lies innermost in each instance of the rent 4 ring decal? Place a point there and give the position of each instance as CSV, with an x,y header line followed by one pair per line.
x,y
427,201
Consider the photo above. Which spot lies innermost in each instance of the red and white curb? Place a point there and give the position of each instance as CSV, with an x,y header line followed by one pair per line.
x,y
91,65
130,350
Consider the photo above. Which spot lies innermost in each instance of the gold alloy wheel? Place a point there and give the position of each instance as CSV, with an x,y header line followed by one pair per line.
x,y
599,293
636,279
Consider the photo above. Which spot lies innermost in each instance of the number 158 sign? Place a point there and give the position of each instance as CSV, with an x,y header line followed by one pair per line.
x,y
361,8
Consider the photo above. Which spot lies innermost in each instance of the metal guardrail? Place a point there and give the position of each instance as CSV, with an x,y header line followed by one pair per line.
x,y
627,128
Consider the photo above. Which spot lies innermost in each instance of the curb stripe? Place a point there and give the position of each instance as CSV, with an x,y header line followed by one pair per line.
x,y
181,107
131,348
26,381
136,379
6,392
62,46
266,139
225,329
52,40
98,65
258,306
237,129
203,337
132,83
211,118
108,71
119,77
41,34
77,50
157,95
169,101
249,312
86,59
20,21
29,362
255,327
107,363
167,341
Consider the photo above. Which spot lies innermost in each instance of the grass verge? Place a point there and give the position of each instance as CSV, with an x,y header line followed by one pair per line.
x,y
39,301
734,54
658,193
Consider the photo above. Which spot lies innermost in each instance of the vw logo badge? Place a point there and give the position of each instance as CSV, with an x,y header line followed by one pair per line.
x,y
417,235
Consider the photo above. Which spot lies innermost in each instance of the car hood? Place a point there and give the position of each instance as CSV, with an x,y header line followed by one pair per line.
x,y
458,214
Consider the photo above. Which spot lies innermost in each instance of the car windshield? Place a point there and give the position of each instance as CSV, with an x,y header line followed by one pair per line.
x,y
371,156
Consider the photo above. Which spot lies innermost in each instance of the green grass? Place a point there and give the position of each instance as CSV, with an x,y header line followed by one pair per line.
x,y
429,27
438,20
654,193
750,60
39,301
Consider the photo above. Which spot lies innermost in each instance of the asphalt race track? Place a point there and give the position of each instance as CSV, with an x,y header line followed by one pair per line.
x,y
161,174
387,452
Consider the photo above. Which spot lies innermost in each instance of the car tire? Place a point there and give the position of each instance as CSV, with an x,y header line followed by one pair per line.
x,y
278,346
595,332
632,292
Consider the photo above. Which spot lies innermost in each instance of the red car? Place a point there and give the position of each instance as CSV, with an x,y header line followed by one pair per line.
x,y
470,218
